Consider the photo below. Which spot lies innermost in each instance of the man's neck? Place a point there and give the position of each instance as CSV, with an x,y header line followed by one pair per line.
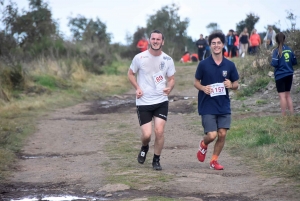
x,y
155,52
217,58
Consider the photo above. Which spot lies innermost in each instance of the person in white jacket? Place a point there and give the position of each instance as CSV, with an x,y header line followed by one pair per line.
x,y
270,38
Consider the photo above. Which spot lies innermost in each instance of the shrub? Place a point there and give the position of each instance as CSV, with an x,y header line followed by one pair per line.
x,y
254,86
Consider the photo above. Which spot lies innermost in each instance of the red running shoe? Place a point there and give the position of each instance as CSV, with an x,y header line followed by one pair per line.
x,y
201,152
216,166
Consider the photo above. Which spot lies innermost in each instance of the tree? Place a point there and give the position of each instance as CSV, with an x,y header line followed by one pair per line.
x,y
290,16
174,29
213,26
249,23
84,29
29,26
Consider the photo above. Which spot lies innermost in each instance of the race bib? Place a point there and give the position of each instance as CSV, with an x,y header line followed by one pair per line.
x,y
217,89
159,78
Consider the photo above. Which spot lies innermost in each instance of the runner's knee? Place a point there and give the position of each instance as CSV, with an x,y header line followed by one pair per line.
x,y
222,133
159,132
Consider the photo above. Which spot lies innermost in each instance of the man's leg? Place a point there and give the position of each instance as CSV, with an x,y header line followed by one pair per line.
x,y
160,118
199,55
209,124
217,150
159,126
224,122
146,133
145,118
145,138
220,141
209,137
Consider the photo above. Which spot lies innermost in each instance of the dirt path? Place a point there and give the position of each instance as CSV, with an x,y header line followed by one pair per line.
x,y
90,150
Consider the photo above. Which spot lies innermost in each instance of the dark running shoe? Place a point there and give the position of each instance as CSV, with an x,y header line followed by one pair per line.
x,y
156,165
142,155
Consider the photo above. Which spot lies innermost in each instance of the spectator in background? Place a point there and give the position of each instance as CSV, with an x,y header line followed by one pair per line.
x,y
244,41
230,42
236,44
142,44
270,38
186,58
283,60
254,41
194,57
201,45
207,49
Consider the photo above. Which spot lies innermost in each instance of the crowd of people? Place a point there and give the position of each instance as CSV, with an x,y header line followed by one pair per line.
x,y
236,45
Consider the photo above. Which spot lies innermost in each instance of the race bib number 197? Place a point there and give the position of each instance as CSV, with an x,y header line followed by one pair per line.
x,y
217,89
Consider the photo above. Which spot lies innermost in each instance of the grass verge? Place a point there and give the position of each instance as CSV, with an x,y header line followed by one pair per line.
x,y
18,117
272,142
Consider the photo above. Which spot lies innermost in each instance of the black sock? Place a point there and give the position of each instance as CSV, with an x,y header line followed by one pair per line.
x,y
145,148
156,157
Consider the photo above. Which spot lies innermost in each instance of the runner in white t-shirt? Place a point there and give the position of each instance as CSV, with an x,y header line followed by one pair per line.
x,y
155,80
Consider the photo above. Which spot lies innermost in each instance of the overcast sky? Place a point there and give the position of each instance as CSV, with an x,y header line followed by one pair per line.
x,y
124,16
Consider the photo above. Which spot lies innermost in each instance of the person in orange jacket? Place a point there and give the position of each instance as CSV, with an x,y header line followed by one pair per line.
x,y
142,44
186,58
254,41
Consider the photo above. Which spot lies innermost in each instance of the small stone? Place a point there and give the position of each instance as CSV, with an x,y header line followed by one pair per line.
x,y
175,98
108,195
270,73
90,191
101,193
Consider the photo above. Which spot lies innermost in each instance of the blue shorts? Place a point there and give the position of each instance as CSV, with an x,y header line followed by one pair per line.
x,y
212,123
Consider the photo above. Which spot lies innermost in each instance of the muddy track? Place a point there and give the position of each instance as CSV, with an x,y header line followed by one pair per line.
x,y
75,152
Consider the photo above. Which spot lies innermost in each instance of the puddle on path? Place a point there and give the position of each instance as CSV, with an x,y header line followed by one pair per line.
x,y
58,198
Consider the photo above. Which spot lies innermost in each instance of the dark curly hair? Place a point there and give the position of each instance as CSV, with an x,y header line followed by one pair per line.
x,y
216,35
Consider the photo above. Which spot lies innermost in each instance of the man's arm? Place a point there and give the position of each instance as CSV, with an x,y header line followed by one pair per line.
x,y
132,79
170,85
231,85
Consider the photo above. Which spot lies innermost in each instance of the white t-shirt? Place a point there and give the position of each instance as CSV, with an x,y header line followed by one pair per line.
x,y
152,74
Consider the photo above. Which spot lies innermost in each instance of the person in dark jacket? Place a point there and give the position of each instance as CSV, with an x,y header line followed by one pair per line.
x,y
283,60
201,45
230,38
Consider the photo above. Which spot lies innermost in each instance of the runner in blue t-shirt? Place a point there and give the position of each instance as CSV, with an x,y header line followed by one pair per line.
x,y
214,76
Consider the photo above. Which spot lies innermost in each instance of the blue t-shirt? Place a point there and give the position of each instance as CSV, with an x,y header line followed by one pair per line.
x,y
208,72
283,65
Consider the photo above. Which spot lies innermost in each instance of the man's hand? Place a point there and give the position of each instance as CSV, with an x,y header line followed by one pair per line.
x,y
167,91
228,84
138,93
207,89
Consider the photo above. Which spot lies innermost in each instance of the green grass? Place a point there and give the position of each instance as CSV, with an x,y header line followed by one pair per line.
x,y
18,117
272,142
261,102
255,86
46,81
